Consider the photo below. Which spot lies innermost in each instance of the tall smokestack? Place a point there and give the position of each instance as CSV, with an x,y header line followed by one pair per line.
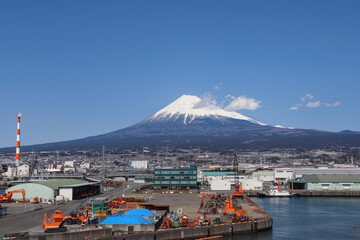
x,y
17,161
57,158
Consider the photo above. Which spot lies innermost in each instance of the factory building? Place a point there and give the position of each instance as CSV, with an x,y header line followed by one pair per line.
x,y
176,178
332,182
283,174
263,175
23,171
211,176
49,189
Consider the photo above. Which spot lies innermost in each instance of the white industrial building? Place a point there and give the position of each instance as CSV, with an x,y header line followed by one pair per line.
x,y
246,184
23,170
233,178
85,165
69,166
143,164
251,184
10,173
263,175
283,174
219,184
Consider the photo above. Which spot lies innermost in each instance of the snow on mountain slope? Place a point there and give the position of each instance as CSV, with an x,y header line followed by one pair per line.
x,y
192,107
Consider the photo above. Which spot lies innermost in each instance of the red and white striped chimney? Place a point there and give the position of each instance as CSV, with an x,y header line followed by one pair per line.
x,y
17,161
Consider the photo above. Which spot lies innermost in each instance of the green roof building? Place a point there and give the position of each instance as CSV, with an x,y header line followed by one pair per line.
x,y
42,189
332,182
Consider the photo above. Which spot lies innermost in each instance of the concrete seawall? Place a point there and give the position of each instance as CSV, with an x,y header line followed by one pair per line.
x,y
225,229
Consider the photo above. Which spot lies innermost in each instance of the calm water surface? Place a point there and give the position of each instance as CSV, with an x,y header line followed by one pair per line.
x,y
309,218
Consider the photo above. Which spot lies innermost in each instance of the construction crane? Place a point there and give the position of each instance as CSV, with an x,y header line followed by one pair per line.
x,y
229,206
8,197
238,190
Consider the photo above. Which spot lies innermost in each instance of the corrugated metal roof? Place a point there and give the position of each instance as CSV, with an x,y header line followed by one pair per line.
x,y
332,178
58,183
117,219
141,213
218,173
81,184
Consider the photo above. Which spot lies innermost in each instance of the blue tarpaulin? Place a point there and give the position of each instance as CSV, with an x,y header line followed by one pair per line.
x,y
141,213
117,219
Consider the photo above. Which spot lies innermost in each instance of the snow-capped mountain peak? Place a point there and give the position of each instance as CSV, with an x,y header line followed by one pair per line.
x,y
192,107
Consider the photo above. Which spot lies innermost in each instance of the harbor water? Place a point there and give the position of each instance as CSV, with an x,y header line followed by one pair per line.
x,y
309,218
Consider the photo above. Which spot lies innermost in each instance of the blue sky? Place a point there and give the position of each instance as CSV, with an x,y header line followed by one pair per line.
x,y
82,68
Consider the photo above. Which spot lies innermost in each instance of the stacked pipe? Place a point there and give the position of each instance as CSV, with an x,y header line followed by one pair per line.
x,y
17,160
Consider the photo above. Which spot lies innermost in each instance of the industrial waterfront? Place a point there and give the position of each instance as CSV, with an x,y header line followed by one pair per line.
x,y
142,195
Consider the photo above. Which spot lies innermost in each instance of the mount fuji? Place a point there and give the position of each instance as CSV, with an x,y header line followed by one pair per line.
x,y
191,121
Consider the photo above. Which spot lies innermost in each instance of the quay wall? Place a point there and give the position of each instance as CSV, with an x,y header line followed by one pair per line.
x,y
226,229
327,193
315,193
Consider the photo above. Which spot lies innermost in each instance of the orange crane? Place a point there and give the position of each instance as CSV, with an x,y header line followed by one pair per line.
x,y
8,197
229,208
203,196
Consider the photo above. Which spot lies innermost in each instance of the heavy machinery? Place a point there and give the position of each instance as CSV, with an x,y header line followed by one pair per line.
x,y
79,217
8,197
230,210
55,223
166,223
202,221
36,200
125,203
203,196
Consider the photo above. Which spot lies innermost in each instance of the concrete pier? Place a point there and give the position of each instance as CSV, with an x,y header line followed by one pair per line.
x,y
260,221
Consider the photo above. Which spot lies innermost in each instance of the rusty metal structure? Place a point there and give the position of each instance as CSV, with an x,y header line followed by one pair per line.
x,y
214,205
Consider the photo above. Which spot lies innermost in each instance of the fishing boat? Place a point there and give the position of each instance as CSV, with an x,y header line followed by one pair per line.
x,y
276,192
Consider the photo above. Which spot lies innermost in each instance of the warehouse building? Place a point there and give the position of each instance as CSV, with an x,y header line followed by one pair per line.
x,y
79,190
46,189
332,182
